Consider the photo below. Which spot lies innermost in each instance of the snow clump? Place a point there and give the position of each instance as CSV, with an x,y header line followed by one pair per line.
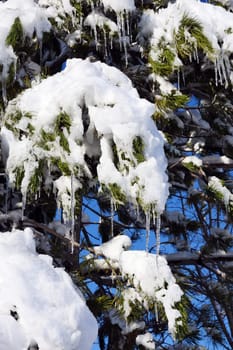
x,y
88,111
39,303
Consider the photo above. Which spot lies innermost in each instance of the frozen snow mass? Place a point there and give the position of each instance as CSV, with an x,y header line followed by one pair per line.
x,y
118,122
39,303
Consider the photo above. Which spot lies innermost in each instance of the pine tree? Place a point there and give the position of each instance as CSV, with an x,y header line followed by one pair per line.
x,y
175,68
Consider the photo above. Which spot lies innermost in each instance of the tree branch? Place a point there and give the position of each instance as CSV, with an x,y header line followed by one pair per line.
x,y
187,258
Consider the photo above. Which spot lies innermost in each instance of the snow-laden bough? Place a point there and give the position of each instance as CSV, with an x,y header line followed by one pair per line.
x,y
39,303
88,111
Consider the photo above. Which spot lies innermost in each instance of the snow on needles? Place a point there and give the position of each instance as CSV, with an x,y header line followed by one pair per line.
x,y
89,109
39,303
36,23
224,194
151,275
148,279
164,27
33,19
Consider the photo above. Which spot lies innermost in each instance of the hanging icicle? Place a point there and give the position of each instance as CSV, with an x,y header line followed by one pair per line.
x,y
183,76
124,38
4,94
128,31
158,228
156,313
72,207
24,201
119,30
216,72
147,229
105,44
112,217
222,69
41,51
178,78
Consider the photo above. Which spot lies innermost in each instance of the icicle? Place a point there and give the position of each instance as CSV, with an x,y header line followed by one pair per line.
x,y
221,68
153,86
156,313
95,37
105,44
137,212
94,27
111,42
72,212
158,227
147,229
216,72
112,217
190,58
81,25
196,56
6,196
4,94
183,76
41,51
227,64
24,201
178,78
119,30
224,69
154,216
124,38
92,5
128,31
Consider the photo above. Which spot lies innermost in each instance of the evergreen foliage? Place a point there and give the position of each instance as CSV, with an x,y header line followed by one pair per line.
x,y
196,226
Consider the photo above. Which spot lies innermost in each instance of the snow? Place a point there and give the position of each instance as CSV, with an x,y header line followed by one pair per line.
x,y
216,23
216,184
146,340
117,115
98,19
165,86
58,9
63,189
150,274
193,160
149,279
113,248
126,327
119,5
37,23
48,308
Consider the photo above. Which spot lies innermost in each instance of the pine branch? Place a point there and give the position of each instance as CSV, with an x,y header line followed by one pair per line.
x,y
187,258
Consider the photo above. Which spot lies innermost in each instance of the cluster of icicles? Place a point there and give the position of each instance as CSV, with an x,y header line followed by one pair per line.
x,y
152,220
122,28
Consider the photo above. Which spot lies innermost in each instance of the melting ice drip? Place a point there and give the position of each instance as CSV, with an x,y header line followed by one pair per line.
x,y
72,212
123,32
123,27
112,216
222,69
156,218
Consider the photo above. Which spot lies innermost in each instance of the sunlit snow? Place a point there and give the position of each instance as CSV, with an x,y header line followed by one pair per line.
x,y
216,22
151,279
39,302
152,276
116,117
146,340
